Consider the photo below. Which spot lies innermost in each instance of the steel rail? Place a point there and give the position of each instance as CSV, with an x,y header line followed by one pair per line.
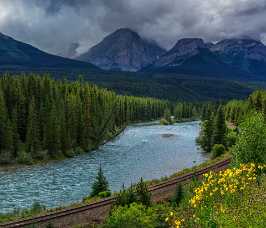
x,y
111,200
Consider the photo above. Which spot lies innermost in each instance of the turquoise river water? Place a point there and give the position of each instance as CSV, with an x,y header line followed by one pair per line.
x,y
143,150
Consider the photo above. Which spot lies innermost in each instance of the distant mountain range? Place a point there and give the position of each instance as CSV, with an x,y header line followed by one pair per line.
x,y
123,50
231,58
15,55
188,71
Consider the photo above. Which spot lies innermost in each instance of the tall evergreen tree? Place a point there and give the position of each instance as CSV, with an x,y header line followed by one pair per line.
x,y
206,134
3,119
100,184
219,127
33,145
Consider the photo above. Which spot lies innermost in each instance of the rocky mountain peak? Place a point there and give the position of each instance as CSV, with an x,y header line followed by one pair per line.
x,y
244,49
123,50
187,45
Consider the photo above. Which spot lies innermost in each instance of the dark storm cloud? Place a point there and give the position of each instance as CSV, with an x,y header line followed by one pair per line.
x,y
58,25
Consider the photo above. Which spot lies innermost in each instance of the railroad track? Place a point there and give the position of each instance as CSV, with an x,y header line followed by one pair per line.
x,y
109,201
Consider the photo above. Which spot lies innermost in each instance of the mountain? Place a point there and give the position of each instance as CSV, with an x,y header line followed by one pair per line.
x,y
123,50
245,55
190,56
240,58
15,55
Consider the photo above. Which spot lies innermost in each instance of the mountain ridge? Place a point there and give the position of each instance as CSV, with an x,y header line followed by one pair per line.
x,y
229,58
16,55
123,50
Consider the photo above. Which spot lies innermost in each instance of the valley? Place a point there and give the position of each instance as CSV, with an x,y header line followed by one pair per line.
x,y
132,114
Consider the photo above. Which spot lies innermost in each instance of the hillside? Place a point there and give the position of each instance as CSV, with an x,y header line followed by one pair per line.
x,y
18,56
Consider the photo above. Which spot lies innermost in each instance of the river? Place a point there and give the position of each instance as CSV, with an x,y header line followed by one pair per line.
x,y
148,151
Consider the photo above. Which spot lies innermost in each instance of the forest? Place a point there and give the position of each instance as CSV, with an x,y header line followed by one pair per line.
x,y
42,119
221,124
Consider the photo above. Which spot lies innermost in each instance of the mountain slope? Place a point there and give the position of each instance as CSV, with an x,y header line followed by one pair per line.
x,y
15,55
245,55
123,50
243,59
191,56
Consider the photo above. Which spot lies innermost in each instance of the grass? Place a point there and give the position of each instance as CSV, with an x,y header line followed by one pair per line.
x,y
204,205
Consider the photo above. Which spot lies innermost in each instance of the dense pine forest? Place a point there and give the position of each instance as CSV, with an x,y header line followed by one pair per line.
x,y
221,125
43,119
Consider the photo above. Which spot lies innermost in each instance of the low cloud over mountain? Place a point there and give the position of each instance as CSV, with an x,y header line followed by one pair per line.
x,y
54,25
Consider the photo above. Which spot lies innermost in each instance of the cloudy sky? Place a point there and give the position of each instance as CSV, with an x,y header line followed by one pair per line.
x,y
58,26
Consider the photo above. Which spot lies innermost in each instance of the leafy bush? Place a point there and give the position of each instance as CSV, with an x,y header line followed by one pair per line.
x,y
251,144
164,122
24,158
138,216
231,138
217,150
126,196
37,207
138,193
104,194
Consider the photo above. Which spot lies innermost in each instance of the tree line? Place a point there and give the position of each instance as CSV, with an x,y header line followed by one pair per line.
x,y
186,111
41,118
225,126
236,110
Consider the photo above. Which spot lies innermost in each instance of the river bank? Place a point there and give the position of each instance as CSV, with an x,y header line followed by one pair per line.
x,y
141,151
17,166
39,211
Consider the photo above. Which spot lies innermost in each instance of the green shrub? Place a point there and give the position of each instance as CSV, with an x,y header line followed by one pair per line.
x,y
104,194
138,193
251,142
24,158
37,208
138,216
142,193
126,196
217,150
164,122
178,195
231,138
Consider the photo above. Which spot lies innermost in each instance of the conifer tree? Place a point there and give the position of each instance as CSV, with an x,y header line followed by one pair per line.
x,y
33,145
142,192
53,133
219,127
8,145
206,134
100,184
16,138
3,119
